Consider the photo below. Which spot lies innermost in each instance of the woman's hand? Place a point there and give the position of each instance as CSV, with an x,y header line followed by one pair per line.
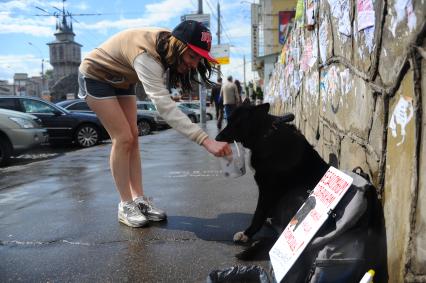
x,y
217,148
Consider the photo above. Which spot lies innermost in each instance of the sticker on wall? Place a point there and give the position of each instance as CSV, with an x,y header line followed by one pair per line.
x,y
365,11
402,114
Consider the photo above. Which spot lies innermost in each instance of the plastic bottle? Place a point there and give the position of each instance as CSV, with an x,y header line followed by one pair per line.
x,y
368,277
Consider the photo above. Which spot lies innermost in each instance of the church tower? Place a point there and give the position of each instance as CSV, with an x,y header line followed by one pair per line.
x,y
65,53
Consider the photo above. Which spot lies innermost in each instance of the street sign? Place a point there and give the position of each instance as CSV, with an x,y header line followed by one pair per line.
x,y
221,53
202,18
308,220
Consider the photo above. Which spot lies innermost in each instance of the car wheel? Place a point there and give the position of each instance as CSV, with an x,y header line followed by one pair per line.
x,y
192,118
87,135
144,128
209,116
5,151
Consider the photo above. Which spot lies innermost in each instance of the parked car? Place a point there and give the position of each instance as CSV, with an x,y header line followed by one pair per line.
x,y
147,105
147,122
19,132
62,125
195,106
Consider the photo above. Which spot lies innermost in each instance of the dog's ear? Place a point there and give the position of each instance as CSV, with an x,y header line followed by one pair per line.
x,y
263,107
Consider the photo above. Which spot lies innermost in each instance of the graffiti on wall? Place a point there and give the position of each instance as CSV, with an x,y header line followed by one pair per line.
x,y
402,114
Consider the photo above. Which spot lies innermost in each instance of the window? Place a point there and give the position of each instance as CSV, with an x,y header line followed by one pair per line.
x,y
146,106
8,103
79,106
34,106
61,52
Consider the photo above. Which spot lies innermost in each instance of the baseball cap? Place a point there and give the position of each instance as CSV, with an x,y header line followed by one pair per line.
x,y
196,36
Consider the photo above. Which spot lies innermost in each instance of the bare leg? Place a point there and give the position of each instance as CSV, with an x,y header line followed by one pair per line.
x,y
114,119
128,104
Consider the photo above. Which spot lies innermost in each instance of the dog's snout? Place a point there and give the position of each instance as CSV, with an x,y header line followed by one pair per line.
x,y
218,137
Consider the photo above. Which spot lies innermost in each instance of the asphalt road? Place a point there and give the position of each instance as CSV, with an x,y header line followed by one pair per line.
x,y
58,217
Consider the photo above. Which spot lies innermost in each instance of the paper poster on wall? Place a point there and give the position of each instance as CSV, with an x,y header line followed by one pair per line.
x,y
402,9
308,220
314,56
307,55
323,40
310,12
299,9
365,11
369,38
284,19
340,11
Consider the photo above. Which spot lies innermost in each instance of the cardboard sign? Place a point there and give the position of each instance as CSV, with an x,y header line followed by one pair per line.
x,y
308,220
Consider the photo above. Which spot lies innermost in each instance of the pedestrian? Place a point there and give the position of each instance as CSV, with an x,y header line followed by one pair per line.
x,y
218,102
229,94
106,79
239,88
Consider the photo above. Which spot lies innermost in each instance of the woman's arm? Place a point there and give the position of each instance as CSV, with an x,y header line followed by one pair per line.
x,y
151,74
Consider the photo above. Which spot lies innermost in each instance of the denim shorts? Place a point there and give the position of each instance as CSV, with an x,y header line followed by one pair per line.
x,y
99,89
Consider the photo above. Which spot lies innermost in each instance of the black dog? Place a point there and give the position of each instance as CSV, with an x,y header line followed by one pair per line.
x,y
286,165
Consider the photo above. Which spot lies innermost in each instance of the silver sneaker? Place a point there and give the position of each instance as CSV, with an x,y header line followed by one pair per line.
x,y
129,214
147,208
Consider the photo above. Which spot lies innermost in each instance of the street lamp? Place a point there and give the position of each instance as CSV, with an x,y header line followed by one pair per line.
x,y
42,66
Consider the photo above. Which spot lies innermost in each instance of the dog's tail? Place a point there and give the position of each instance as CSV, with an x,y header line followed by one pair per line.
x,y
258,250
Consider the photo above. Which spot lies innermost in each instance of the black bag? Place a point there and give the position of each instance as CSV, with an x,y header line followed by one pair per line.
x,y
350,242
239,274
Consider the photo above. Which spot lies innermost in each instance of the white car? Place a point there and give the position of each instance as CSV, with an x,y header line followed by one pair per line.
x,y
195,106
19,132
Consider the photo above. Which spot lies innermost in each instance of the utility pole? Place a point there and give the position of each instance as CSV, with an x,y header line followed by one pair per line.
x,y
43,83
200,6
244,61
218,34
202,93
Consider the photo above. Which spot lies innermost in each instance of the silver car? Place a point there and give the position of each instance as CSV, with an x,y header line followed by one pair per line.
x,y
19,132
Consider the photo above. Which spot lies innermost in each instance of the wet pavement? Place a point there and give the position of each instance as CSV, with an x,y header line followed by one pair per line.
x,y
58,217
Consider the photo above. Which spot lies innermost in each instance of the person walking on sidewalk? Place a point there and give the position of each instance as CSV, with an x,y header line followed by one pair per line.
x,y
239,89
106,79
218,103
231,98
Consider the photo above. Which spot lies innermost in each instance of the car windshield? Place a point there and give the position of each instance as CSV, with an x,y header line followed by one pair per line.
x,y
192,105
36,106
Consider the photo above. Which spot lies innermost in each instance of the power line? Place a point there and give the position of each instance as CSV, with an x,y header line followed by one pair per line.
x,y
223,28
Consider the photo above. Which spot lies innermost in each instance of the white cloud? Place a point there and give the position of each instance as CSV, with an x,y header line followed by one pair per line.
x,y
10,64
35,27
11,5
82,6
155,15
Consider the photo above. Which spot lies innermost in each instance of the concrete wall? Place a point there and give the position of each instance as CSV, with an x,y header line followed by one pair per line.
x,y
357,95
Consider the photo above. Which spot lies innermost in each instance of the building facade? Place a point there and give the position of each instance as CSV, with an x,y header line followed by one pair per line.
x,y
269,20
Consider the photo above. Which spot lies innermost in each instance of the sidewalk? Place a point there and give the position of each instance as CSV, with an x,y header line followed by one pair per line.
x,y
58,218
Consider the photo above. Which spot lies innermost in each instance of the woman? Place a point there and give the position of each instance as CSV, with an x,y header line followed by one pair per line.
x,y
106,79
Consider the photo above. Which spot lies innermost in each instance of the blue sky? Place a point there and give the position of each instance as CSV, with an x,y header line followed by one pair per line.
x,y
23,35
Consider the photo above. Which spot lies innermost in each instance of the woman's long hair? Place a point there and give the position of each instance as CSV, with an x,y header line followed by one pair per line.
x,y
171,50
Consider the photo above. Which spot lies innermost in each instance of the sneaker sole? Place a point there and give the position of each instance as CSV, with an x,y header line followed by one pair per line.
x,y
124,221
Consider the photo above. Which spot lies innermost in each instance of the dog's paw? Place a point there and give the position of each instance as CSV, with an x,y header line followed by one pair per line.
x,y
240,237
